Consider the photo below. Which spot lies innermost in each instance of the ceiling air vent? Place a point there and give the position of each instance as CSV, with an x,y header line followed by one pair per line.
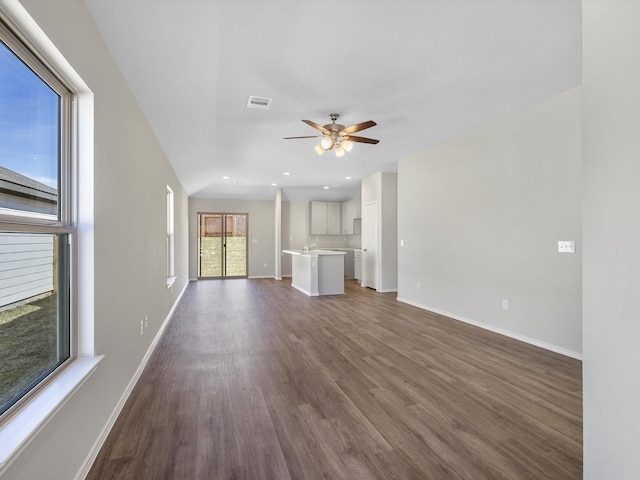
x,y
258,102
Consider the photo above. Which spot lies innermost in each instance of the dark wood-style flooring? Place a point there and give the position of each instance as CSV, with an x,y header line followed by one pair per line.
x,y
254,380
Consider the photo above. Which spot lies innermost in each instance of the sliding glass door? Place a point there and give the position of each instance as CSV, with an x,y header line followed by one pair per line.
x,y
222,245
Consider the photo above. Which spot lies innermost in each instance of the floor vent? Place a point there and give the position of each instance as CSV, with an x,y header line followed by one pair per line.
x,y
258,102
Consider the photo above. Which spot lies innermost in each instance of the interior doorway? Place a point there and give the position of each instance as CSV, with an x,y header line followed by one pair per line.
x,y
222,245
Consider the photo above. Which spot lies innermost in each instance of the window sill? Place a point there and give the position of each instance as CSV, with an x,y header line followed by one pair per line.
x,y
171,281
23,426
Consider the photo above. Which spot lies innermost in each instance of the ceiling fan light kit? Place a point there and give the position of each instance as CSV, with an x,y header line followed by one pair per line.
x,y
338,137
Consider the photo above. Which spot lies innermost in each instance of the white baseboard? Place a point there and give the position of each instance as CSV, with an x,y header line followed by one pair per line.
x,y
260,276
491,328
387,290
93,453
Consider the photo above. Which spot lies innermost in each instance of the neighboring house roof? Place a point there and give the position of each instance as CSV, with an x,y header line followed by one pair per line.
x,y
16,184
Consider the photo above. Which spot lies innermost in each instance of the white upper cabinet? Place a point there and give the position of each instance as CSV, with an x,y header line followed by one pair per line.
x,y
351,213
347,217
325,218
333,218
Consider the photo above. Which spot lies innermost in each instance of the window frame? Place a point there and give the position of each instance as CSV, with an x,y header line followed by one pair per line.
x,y
63,225
21,424
171,276
65,217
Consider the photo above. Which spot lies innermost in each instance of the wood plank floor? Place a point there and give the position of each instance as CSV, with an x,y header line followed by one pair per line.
x,y
254,380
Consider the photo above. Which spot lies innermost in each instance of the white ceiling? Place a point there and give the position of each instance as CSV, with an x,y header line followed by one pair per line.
x,y
424,71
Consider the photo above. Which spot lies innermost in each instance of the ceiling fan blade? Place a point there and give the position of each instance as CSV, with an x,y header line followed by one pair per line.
x,y
311,136
353,138
359,126
319,127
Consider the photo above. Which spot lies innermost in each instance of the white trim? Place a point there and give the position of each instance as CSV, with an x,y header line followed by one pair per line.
x,y
25,424
491,328
93,453
260,276
387,290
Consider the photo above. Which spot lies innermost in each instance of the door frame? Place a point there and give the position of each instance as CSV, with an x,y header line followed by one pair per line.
x,y
224,246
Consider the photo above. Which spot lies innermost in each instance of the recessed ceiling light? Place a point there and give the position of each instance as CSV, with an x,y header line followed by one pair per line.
x,y
225,178
274,184
347,178
286,173
326,188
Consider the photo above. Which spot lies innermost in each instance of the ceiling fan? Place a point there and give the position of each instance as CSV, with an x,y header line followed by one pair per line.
x,y
338,137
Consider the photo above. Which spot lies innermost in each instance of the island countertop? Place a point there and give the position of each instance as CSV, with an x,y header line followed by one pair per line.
x,y
317,272
314,252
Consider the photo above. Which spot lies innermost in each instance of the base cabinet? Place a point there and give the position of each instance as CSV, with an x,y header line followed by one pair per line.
x,y
357,265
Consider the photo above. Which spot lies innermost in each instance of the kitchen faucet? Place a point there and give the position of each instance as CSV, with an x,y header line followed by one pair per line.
x,y
307,247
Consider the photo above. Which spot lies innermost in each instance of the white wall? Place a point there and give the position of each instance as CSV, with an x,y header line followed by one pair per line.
x,y
131,175
611,282
261,231
480,217
388,221
295,230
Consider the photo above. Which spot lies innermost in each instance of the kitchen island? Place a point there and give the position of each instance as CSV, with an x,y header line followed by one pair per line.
x,y
317,272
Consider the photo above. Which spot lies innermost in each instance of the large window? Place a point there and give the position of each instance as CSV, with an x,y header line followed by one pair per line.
x,y
170,239
36,222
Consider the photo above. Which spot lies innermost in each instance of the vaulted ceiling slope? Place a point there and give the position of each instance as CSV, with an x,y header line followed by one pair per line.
x,y
425,71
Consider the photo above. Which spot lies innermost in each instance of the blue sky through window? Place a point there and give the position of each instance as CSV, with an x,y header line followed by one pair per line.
x,y
29,121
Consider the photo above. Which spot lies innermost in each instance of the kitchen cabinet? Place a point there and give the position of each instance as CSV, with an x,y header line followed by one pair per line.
x,y
347,217
325,218
357,265
351,216
348,262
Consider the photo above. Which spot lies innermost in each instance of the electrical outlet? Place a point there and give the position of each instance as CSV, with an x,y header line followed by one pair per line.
x,y
146,321
505,304
566,246
141,327
264,265
418,285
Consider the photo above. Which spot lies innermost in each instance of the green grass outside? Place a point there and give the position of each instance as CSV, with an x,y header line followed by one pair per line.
x,y
28,345
211,258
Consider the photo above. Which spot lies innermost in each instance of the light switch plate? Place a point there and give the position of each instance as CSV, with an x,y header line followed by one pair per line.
x,y
566,246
